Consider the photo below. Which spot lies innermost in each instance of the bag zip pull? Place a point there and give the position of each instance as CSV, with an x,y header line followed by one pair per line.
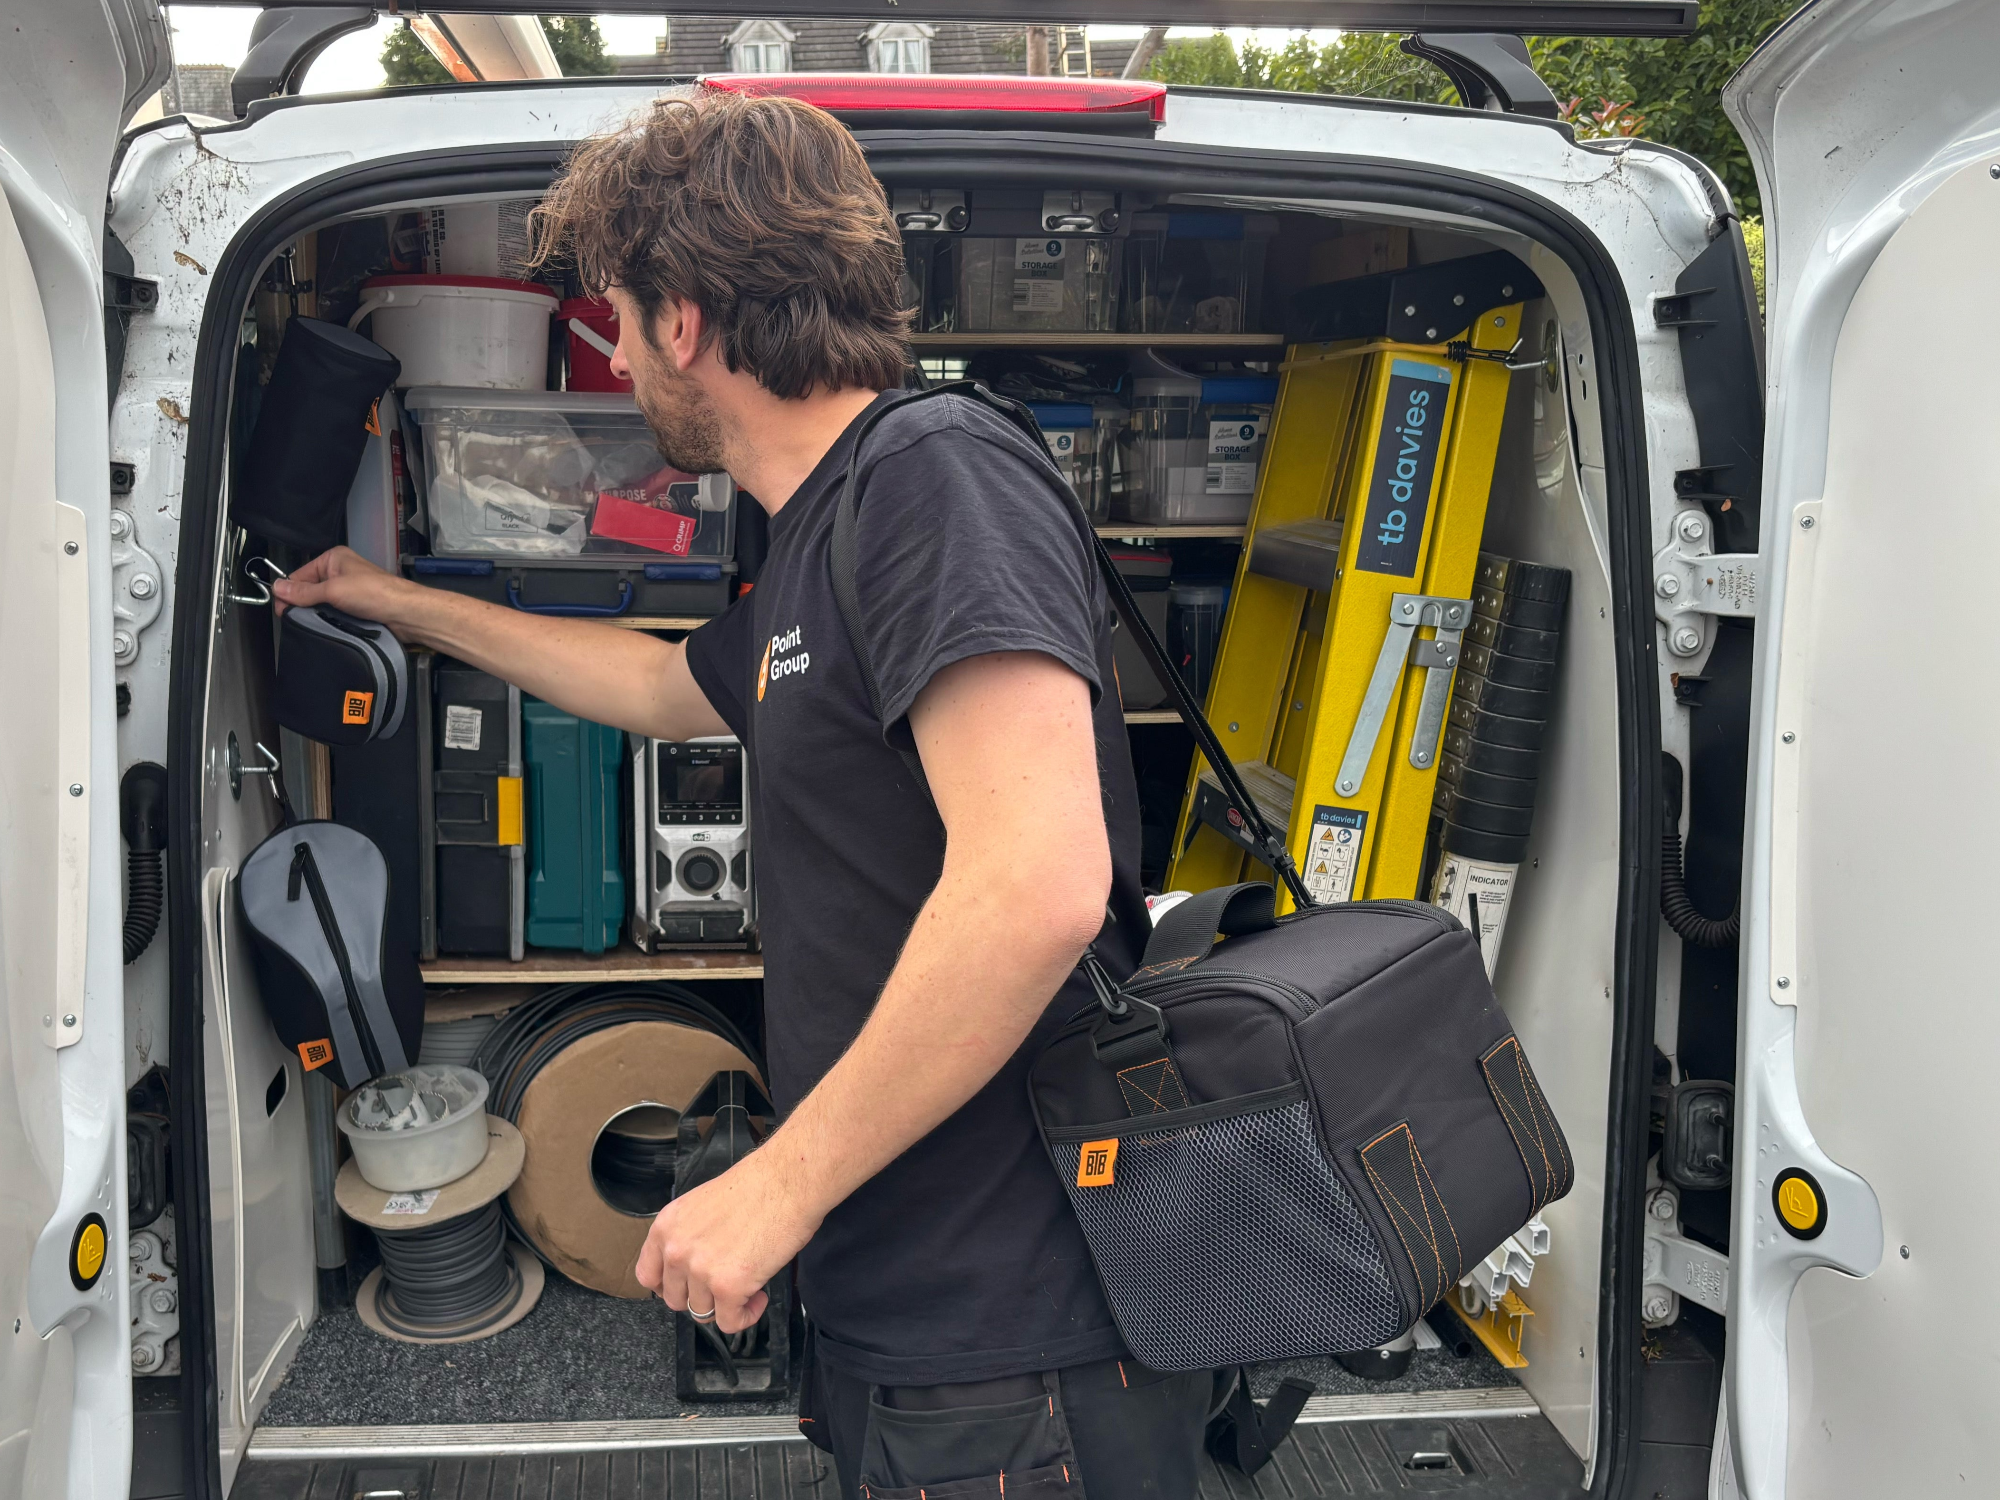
x,y
329,926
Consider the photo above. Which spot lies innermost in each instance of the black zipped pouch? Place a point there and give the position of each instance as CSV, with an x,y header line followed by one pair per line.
x,y
313,898
340,680
1282,1136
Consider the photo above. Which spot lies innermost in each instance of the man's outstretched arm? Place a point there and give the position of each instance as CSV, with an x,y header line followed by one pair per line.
x,y
1010,751
624,678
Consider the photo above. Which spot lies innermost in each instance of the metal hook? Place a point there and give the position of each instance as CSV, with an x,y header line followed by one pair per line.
x,y
1461,351
233,758
262,584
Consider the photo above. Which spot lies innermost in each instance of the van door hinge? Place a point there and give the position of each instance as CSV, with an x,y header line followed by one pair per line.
x,y
1692,585
1677,1267
130,294
1676,310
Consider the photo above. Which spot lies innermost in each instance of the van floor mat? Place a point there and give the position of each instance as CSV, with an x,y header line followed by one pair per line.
x,y
580,1356
1501,1455
1430,1370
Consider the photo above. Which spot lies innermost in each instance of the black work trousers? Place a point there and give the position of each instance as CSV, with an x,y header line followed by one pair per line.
x,y
1112,1430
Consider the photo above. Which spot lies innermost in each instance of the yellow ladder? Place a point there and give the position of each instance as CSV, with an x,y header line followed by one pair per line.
x,y
1334,672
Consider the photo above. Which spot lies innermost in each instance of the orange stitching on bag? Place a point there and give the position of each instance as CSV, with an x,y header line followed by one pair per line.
x,y
1555,1129
1158,1099
1522,1131
1539,1123
1427,1181
1383,1190
1389,1196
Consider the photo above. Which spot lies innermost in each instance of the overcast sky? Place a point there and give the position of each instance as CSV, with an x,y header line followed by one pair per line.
x,y
221,34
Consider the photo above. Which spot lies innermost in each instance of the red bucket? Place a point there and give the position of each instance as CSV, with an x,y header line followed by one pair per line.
x,y
591,325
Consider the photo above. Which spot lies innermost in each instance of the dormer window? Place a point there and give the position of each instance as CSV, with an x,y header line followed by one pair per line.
x,y
761,47
898,47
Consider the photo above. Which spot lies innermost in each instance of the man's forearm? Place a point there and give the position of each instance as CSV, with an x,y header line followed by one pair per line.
x,y
980,966
598,672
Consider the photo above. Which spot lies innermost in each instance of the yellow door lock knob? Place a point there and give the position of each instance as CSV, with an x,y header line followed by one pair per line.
x,y
86,1252
1800,1204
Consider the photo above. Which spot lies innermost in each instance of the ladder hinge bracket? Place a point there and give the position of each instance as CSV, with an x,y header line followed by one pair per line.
x,y
1438,657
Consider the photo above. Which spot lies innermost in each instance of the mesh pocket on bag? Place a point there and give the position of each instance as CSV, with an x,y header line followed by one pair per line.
x,y
1225,1235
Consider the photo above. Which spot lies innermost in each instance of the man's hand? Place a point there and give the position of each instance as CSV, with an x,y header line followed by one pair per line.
x,y
348,581
716,1247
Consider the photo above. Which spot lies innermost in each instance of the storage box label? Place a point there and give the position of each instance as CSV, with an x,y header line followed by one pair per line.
x,y
1406,455
1233,447
1038,275
1332,851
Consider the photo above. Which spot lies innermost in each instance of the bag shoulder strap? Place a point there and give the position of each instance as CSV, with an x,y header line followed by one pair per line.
x,y
1188,931
846,596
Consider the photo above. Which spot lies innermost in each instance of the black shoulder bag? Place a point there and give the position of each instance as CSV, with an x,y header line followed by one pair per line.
x,y
1283,1136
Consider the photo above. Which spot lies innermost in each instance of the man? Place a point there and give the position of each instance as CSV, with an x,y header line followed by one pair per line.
x,y
920,941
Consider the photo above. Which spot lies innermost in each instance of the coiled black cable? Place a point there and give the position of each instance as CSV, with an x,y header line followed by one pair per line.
x,y
457,1275
634,1172
1681,914
145,898
531,1034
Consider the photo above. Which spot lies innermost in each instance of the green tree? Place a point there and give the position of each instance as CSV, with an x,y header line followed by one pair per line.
x,y
575,40
1665,90
407,61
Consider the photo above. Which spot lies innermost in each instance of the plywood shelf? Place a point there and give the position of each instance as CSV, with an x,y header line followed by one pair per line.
x,y
656,622
1151,716
551,966
1216,341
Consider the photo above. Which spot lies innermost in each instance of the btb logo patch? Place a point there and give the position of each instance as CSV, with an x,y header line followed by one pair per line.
x,y
1095,1167
316,1054
356,708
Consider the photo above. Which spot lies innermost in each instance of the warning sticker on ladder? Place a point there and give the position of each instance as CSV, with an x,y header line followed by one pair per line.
x,y
1332,851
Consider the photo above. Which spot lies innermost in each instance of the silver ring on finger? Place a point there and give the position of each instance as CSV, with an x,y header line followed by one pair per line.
x,y
702,1317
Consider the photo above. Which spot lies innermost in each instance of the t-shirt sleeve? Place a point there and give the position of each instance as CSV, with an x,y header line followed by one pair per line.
x,y
966,546
719,655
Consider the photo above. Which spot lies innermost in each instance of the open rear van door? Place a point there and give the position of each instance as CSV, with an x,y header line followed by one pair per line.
x,y
70,76
1869,1034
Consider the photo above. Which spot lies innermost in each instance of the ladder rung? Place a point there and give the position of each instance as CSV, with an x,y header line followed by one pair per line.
x,y
1271,790
1303,552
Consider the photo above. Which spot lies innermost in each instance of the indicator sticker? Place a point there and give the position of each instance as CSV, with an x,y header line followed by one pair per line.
x,y
1333,850
1406,455
1096,1166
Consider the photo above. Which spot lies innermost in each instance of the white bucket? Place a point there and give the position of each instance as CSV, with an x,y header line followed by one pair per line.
x,y
420,1128
478,331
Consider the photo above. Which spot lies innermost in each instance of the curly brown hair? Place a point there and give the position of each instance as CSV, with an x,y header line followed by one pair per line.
x,y
762,212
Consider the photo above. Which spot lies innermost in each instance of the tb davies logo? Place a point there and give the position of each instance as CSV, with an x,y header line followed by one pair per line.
x,y
784,656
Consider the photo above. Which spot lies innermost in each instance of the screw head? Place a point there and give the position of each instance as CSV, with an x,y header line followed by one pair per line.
x,y
69,1020
1805,523
1459,300
1233,726
1430,333
143,584
122,644
121,525
1666,586
1506,291
70,548
1905,1249
1784,982
1659,1307
1422,757
1685,641
1994,172
76,789
1692,526
1410,311
1663,1207
1788,737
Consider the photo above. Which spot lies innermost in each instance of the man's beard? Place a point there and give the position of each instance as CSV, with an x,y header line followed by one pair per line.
x,y
684,422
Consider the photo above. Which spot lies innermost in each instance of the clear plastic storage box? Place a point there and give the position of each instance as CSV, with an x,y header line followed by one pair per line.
x,y
1196,271
1071,430
1197,444
557,478
1038,283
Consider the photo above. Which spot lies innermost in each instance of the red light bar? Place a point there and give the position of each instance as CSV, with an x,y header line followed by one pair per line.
x,y
859,91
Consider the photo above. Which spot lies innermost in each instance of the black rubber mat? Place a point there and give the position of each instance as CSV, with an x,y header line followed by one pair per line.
x,y
1493,1458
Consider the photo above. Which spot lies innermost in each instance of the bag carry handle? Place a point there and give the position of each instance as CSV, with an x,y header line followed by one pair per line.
x,y
846,521
1188,931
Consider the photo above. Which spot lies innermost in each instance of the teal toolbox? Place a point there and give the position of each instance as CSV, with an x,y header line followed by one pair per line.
x,y
576,824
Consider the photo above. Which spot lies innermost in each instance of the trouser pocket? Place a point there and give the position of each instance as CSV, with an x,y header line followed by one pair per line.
x,y
1019,1448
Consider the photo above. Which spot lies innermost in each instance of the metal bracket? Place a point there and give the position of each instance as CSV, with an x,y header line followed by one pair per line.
x,y
138,589
232,759
1676,309
1677,1267
1690,581
1400,647
130,294
930,211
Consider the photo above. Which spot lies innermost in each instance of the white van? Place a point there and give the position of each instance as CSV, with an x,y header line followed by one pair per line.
x,y
1726,514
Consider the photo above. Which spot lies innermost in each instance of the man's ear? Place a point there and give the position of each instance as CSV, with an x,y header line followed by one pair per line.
x,y
678,332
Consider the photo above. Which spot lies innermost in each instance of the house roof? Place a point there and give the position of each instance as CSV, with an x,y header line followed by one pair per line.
x,y
698,44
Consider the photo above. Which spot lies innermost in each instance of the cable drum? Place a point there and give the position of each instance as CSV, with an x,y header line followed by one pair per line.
x,y
568,1064
455,1277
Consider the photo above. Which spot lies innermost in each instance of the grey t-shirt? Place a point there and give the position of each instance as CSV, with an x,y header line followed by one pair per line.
x,y
961,1260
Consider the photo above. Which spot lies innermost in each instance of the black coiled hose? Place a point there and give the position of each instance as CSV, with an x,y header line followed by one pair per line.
x,y
142,818
145,898
1681,914
635,1172
456,1275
